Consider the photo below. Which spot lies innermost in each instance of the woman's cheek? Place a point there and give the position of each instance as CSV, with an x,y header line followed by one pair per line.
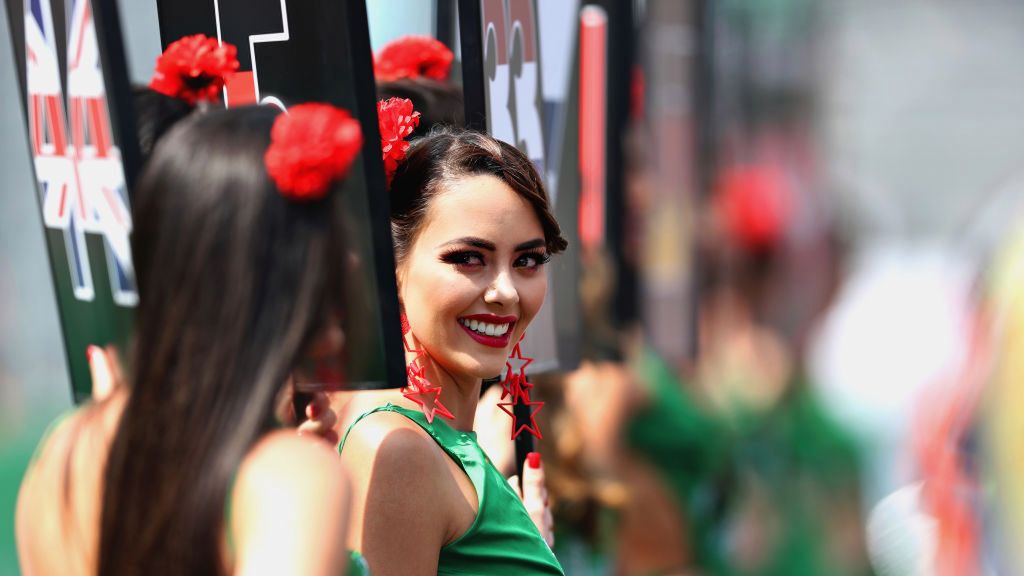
x,y
532,296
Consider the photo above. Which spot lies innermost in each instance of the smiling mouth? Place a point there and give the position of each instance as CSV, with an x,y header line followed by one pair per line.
x,y
486,328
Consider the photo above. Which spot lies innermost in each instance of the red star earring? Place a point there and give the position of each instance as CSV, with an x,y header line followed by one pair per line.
x,y
518,388
418,389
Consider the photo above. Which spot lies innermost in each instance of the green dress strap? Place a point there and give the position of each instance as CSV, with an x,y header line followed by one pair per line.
x,y
502,541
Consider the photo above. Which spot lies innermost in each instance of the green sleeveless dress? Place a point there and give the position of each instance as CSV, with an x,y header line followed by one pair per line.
x,y
502,540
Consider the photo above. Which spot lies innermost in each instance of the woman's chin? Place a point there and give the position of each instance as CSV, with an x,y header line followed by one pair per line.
x,y
484,368
491,370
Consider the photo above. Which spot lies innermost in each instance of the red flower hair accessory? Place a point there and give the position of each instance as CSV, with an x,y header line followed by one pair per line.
x,y
311,146
397,120
754,204
413,57
193,69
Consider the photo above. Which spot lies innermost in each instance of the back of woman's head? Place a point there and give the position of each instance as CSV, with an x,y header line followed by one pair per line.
x,y
446,155
439,103
155,114
235,280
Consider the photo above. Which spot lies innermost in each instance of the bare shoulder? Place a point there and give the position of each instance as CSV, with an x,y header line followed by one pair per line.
x,y
404,494
62,487
390,440
289,507
388,450
69,450
285,457
297,471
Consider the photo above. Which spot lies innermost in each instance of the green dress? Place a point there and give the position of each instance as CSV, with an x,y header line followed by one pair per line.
x,y
502,540
800,459
690,451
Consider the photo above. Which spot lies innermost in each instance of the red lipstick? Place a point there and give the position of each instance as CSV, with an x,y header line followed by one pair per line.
x,y
492,341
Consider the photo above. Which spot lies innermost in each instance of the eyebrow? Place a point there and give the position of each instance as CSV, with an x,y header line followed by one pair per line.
x,y
530,245
489,246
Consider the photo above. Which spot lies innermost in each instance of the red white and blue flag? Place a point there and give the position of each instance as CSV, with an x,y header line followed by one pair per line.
x,y
77,163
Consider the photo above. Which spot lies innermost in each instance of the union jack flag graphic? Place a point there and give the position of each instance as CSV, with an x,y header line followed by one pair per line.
x,y
79,171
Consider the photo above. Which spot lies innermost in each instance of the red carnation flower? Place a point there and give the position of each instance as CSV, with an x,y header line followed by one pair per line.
x,y
311,146
193,69
413,57
397,120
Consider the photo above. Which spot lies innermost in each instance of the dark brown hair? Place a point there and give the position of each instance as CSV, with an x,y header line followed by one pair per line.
x,y
235,281
449,154
439,103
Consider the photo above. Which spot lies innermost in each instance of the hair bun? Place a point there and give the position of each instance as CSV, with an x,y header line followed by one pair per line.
x,y
311,146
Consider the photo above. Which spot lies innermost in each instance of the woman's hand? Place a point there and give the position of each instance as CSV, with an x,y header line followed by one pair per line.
x,y
535,497
319,419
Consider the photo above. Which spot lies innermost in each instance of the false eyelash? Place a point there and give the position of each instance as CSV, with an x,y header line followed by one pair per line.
x,y
541,257
460,257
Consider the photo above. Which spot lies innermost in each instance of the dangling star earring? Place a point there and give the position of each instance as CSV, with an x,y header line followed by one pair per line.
x,y
518,388
418,389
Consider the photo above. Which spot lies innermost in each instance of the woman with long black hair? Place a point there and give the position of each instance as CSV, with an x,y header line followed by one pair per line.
x,y
238,247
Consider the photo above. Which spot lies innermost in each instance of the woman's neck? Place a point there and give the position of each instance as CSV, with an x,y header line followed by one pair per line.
x,y
460,394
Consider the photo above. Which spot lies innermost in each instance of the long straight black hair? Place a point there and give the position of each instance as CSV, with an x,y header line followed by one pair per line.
x,y
235,281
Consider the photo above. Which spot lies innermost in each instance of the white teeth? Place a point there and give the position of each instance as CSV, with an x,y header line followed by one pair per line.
x,y
485,328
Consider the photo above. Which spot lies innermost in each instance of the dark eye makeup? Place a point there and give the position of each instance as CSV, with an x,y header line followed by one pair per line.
x,y
463,257
532,259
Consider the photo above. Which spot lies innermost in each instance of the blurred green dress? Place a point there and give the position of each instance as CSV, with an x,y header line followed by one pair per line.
x,y
688,448
791,460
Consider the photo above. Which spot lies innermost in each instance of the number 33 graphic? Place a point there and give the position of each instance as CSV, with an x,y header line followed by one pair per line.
x,y
512,75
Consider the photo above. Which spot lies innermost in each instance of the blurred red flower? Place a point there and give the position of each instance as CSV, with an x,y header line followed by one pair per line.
x,y
413,57
753,202
193,68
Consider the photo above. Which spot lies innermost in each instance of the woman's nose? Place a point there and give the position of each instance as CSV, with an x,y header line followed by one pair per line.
x,y
502,290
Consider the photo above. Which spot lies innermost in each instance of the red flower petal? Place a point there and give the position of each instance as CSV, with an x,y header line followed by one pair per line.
x,y
397,119
312,145
193,68
413,57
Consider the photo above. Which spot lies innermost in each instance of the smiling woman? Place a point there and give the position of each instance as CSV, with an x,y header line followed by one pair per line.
x,y
472,231
475,262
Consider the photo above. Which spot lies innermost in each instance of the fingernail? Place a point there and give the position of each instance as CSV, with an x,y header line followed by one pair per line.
x,y
90,351
533,460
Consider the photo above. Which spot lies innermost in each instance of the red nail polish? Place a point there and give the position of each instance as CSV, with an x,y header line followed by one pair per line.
x,y
533,460
91,350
